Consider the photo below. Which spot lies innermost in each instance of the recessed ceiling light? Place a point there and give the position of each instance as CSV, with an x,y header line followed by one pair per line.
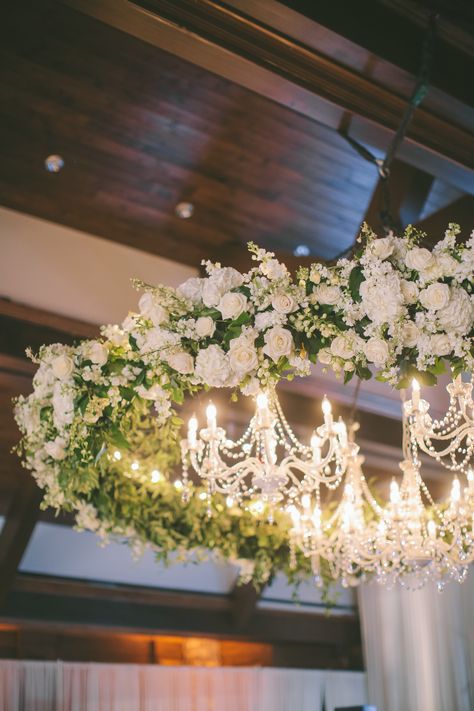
x,y
184,210
301,250
54,163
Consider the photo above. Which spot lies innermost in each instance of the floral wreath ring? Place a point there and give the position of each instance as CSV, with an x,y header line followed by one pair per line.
x,y
100,429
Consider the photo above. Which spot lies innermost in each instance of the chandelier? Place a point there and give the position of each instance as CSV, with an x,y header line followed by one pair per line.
x,y
335,519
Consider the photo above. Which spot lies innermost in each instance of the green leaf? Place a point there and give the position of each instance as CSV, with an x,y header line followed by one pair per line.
x,y
356,278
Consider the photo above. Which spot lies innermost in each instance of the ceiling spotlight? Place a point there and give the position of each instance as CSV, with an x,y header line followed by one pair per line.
x,y
301,250
54,163
184,210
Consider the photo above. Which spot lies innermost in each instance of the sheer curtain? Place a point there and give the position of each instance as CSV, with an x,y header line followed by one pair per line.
x,y
419,647
57,686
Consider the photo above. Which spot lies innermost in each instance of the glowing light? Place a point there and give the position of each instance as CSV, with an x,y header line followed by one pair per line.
x,y
135,466
156,476
117,455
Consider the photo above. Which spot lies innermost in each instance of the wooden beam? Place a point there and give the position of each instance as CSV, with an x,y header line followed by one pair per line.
x,y
21,519
40,317
241,48
460,211
64,608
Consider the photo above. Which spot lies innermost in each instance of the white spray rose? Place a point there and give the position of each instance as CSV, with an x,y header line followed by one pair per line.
x,y
232,304
284,303
213,367
63,367
191,289
382,248
326,294
205,326
56,448
440,344
457,317
342,348
243,355
376,351
435,296
409,334
324,356
278,343
96,352
409,291
150,307
219,283
182,362
419,259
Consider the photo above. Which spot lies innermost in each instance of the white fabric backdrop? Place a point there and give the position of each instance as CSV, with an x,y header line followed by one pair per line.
x,y
50,686
419,647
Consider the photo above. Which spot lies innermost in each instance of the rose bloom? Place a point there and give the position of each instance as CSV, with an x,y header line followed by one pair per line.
x,y
232,304
382,248
409,334
191,289
419,259
326,294
56,448
278,343
435,296
325,356
62,367
96,352
409,291
440,344
242,355
150,307
156,392
376,351
342,348
205,326
284,303
182,362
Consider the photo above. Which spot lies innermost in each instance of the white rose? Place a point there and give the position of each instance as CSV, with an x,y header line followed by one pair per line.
x,y
211,293
409,334
191,289
156,392
419,259
205,326
150,307
457,317
382,248
326,294
278,342
242,355
56,448
440,344
62,367
409,291
447,264
213,367
284,303
227,279
273,269
182,362
435,296
376,351
252,387
96,352
342,348
324,356
232,304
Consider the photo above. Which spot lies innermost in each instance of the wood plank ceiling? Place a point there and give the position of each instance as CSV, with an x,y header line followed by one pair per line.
x,y
141,130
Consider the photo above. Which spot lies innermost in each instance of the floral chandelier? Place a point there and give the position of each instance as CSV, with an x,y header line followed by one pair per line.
x,y
102,436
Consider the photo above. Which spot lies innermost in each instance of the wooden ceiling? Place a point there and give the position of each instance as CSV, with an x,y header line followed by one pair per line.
x,y
141,130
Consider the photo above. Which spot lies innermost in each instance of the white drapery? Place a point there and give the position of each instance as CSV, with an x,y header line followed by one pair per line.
x,y
419,647
58,686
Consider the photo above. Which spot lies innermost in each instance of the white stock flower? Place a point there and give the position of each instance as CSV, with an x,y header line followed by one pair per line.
x,y
409,290
278,343
376,351
273,269
458,315
419,259
96,352
284,303
155,339
62,366
381,248
156,392
243,356
266,319
326,294
56,448
213,367
151,308
409,334
191,289
342,347
440,344
232,304
182,362
63,405
205,326
435,296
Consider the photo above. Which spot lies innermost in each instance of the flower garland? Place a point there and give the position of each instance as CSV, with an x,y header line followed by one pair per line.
x,y
100,430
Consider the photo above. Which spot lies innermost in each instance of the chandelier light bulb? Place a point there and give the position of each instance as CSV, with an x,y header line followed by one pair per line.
x,y
455,491
431,528
415,392
211,414
306,501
